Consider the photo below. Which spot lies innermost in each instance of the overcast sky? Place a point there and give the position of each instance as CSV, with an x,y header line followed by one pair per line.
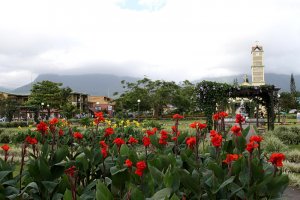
x,y
163,39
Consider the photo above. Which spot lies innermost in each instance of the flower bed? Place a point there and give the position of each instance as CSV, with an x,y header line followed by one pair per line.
x,y
125,162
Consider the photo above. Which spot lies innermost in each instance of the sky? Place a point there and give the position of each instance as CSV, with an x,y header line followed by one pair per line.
x,y
162,39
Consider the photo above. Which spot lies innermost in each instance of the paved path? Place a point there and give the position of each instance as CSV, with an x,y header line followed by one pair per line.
x,y
291,193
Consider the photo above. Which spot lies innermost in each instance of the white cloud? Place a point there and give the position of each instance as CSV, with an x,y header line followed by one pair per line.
x,y
174,39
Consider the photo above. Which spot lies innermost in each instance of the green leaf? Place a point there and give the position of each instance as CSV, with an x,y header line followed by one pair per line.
x,y
175,197
162,194
156,174
49,185
60,154
3,174
171,179
114,170
68,195
136,194
246,131
225,183
218,171
102,192
124,150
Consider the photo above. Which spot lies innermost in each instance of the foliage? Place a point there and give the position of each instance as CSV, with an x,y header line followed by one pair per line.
x,y
152,124
271,144
127,163
293,85
287,102
155,96
13,124
287,135
8,108
293,156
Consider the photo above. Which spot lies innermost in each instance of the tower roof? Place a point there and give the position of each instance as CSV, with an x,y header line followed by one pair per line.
x,y
256,46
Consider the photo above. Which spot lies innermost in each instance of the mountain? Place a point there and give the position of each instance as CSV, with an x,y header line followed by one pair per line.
x,y
92,84
3,89
279,80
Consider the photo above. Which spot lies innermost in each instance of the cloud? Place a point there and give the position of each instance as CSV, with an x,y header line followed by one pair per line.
x,y
166,39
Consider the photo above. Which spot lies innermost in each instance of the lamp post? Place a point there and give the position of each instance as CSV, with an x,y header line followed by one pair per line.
x,y
48,109
278,108
41,114
138,101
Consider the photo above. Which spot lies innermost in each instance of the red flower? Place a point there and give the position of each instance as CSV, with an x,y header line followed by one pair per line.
x,y
146,141
150,132
5,147
239,118
54,121
103,144
236,130
70,171
174,129
141,166
77,135
217,140
104,152
132,140
276,159
108,131
174,138
177,116
213,133
256,138
202,126
223,114
99,117
230,158
128,163
119,142
191,141
194,125
42,127
60,132
216,117
154,129
31,140
251,146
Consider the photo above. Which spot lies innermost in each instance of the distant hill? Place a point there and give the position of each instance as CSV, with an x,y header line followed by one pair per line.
x,y
106,84
3,89
279,80
92,84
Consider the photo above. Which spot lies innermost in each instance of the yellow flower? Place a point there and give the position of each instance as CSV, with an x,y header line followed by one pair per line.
x,y
30,126
115,126
19,127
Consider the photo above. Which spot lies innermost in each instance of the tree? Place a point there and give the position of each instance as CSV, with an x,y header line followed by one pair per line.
x,y
293,86
8,108
49,93
235,82
287,102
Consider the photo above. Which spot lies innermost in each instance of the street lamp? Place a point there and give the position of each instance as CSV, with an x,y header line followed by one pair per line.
x,y
278,108
48,108
138,101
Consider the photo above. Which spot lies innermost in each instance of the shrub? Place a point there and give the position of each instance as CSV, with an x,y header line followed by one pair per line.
x,y
293,156
152,124
291,167
272,144
288,135
294,179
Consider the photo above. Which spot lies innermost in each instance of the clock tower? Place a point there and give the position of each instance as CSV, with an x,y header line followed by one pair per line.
x,y
258,74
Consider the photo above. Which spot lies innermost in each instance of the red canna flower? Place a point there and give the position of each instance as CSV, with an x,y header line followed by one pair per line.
x,y
108,131
119,142
103,144
99,117
223,114
154,129
213,133
239,118
53,121
236,130
194,125
276,159
77,135
141,166
104,152
5,147
60,132
128,163
216,117
217,140
174,138
230,158
146,141
191,142
132,140
71,171
42,127
251,146
150,132
256,138
177,116
31,140
202,126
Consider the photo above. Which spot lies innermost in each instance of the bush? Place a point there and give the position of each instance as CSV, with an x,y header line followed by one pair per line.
x,y
293,156
13,124
10,135
291,167
152,124
288,135
294,179
272,144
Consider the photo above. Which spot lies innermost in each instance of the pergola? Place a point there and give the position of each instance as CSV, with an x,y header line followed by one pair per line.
x,y
209,95
266,95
